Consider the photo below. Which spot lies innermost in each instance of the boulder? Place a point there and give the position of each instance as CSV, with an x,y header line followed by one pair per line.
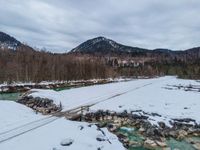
x,y
150,143
141,130
182,134
161,143
196,146
161,125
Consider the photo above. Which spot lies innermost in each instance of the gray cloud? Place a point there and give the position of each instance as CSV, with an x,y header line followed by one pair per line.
x,y
61,25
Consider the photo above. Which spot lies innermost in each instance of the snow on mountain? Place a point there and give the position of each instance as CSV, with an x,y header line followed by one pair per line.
x,y
104,46
8,42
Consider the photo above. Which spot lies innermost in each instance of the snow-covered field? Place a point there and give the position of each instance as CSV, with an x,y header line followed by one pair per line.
x,y
16,119
148,95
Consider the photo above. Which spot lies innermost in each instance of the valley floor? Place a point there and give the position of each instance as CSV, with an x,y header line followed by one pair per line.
x,y
167,97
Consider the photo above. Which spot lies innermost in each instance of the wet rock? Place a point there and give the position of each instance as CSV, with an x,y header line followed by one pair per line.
x,y
161,143
153,132
196,146
182,134
141,130
173,134
101,125
150,143
134,144
121,137
162,125
110,126
114,128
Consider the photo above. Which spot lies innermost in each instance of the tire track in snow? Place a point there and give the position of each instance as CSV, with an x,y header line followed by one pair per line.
x,y
25,128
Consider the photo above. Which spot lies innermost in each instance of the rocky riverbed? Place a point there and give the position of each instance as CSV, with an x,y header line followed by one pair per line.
x,y
14,88
140,133
150,136
146,135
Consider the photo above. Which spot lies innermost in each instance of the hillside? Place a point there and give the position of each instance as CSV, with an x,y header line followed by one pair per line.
x,y
96,58
8,42
103,46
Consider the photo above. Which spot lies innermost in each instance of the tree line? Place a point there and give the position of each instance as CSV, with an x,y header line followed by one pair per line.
x,y
27,65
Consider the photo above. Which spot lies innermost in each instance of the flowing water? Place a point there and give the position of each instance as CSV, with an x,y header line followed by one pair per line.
x,y
10,96
174,144
15,96
133,135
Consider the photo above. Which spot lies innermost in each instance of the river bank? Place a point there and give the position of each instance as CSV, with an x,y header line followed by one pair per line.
x,y
133,129
55,85
149,109
136,132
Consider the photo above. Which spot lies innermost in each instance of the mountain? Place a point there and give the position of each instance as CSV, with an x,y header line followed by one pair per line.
x,y
102,45
8,42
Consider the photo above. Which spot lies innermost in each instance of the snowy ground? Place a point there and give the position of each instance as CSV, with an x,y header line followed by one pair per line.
x,y
47,133
13,115
148,95
16,119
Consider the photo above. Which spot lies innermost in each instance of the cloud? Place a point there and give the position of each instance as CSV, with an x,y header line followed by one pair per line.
x,y
62,25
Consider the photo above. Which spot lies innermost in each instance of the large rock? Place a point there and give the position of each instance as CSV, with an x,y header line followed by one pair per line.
x,y
161,143
150,143
196,146
182,134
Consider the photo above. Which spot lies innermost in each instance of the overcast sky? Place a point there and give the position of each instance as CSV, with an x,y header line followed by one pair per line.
x,y
60,25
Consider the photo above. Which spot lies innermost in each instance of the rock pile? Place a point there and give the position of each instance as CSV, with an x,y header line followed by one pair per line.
x,y
41,105
155,135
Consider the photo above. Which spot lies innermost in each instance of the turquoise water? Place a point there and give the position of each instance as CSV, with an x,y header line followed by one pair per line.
x,y
174,144
9,96
63,88
15,96
133,135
